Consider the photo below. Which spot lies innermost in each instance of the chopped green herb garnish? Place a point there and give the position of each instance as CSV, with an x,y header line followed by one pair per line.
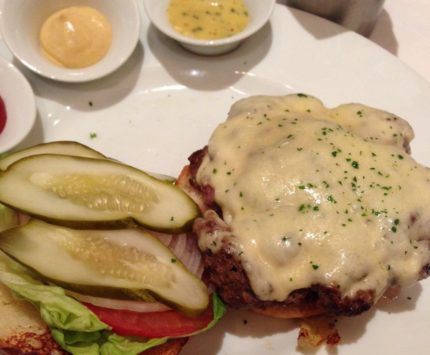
x,y
331,199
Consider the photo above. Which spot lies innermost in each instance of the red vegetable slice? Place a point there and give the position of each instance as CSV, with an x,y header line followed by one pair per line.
x,y
152,325
2,115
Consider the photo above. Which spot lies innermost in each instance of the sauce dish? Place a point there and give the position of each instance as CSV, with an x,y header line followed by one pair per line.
x,y
21,22
259,13
20,105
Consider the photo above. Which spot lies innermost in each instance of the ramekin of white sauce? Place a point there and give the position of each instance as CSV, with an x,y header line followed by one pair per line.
x,y
76,36
67,42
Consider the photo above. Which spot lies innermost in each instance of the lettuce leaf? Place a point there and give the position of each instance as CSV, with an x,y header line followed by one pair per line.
x,y
104,343
218,309
73,326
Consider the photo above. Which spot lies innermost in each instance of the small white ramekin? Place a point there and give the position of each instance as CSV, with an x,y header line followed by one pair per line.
x,y
21,21
19,100
259,13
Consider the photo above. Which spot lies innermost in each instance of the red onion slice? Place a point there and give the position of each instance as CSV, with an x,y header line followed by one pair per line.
x,y
23,218
185,249
166,239
124,305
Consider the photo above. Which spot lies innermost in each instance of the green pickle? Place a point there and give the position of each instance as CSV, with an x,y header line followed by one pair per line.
x,y
58,147
125,264
82,192
8,218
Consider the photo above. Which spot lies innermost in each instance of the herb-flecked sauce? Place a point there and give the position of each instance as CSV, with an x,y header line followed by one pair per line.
x,y
208,19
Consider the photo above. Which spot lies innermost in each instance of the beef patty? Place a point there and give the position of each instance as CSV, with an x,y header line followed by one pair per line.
x,y
224,271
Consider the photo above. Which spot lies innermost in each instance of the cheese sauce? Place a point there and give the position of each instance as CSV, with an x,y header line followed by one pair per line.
x,y
208,19
318,196
76,37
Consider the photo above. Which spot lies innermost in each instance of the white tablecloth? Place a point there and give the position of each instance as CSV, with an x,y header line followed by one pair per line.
x,y
403,28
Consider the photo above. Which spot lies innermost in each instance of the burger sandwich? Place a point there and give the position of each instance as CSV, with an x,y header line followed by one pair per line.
x,y
94,254
309,211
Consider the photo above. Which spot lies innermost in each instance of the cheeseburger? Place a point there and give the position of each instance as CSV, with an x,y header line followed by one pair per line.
x,y
307,210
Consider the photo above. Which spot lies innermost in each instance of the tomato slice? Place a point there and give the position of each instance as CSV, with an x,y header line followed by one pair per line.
x,y
152,324
2,115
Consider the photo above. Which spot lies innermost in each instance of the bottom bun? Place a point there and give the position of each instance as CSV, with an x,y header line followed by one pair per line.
x,y
22,331
289,312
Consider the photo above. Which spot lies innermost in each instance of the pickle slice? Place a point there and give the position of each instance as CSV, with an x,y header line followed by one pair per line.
x,y
87,193
8,218
130,262
64,148
59,147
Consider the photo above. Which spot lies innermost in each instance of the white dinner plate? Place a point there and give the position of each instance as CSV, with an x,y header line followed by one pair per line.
x,y
164,103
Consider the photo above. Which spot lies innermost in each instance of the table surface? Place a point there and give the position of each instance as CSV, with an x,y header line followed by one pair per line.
x,y
403,29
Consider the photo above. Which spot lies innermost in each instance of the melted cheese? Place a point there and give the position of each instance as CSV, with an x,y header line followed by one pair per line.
x,y
318,196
